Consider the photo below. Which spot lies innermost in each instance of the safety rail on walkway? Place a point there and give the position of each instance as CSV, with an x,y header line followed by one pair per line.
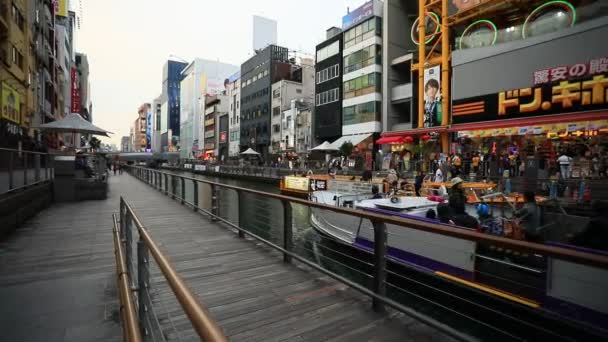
x,y
141,322
23,169
204,196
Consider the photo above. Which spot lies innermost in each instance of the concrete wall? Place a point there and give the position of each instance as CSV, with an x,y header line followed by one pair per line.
x,y
16,208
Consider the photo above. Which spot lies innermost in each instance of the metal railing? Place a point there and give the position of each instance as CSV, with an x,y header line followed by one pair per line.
x,y
142,323
381,279
22,169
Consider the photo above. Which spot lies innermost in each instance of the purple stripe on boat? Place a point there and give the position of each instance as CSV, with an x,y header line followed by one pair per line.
x,y
419,262
577,248
571,311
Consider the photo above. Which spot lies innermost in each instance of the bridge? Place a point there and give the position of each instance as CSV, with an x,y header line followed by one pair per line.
x,y
161,259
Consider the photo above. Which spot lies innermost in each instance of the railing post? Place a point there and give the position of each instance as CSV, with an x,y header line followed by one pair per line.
x,y
166,184
37,166
287,230
215,208
143,276
122,218
25,169
129,245
46,167
379,285
241,200
183,181
11,183
172,187
195,194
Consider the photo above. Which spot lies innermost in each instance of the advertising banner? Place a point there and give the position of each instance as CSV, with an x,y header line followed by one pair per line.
x,y
588,93
223,137
11,104
575,129
61,7
149,129
432,97
358,15
75,107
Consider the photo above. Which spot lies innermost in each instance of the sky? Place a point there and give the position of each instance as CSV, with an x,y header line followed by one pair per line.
x,y
128,41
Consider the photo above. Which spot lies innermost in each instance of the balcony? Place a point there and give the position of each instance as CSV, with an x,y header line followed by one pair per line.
x,y
4,18
401,93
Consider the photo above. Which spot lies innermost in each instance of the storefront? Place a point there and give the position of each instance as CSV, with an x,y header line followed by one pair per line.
x,y
412,150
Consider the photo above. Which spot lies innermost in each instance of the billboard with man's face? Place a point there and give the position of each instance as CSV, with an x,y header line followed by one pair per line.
x,y
432,97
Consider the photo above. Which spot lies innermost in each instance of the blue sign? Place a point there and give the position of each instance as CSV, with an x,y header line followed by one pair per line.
x,y
358,15
149,130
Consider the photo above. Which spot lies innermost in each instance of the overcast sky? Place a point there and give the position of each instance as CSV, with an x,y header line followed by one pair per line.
x,y
128,41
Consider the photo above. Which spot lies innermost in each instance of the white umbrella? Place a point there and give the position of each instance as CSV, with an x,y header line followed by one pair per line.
x,y
74,123
250,152
325,146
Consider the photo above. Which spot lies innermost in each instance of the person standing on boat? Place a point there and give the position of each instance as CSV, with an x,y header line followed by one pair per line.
x,y
457,198
530,217
418,182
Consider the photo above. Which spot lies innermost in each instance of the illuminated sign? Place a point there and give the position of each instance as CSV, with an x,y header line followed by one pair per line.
x,y
562,73
223,137
297,183
557,130
75,108
584,94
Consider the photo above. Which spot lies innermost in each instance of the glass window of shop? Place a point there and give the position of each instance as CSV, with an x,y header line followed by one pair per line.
x,y
361,113
362,58
361,32
365,84
328,51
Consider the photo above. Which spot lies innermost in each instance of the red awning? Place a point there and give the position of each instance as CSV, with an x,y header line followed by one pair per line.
x,y
416,131
391,140
549,119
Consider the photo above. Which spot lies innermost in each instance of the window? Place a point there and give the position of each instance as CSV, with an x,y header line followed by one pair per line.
x,y
362,58
298,91
265,73
17,58
276,128
362,85
362,32
18,17
276,93
328,51
329,96
328,73
361,113
276,111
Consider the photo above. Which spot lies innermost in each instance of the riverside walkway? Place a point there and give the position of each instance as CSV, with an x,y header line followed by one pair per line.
x,y
58,280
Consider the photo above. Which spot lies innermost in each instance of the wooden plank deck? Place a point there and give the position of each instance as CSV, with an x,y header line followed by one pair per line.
x,y
57,280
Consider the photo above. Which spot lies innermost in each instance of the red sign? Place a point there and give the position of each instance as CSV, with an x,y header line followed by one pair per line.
x,y
75,91
223,137
563,73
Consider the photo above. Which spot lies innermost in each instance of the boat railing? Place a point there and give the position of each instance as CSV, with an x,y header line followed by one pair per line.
x,y
387,287
133,269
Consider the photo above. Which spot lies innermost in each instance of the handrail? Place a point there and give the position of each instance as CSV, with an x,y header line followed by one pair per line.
x,y
22,151
552,251
206,327
129,317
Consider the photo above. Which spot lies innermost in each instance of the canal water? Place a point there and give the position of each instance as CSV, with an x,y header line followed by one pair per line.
x,y
264,217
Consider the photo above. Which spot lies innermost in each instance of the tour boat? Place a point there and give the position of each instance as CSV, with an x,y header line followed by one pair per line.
x,y
562,287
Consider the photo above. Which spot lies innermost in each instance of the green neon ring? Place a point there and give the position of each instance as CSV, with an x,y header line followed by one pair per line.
x,y
437,29
564,4
481,21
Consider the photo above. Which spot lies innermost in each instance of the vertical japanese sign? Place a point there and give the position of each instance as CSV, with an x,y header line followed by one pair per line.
x,y
75,107
149,130
432,97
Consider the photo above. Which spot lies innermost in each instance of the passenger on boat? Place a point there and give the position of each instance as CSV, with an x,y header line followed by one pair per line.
x,y
418,182
457,197
376,192
430,214
530,216
595,235
443,213
366,176
488,223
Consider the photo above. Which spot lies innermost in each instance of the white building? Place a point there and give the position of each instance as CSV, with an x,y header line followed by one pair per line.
x,y
296,127
200,78
264,32
362,79
234,125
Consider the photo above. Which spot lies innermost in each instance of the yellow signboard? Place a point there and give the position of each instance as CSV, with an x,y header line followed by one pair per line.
x,y
11,104
297,183
61,8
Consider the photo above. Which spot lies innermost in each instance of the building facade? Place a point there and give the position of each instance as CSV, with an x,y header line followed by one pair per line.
x,y
234,125
296,128
172,77
124,144
327,119
216,108
84,86
200,78
156,123
257,76
141,133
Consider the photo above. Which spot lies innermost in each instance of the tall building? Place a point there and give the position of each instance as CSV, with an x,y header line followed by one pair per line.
x,y
82,68
216,127
234,125
299,85
264,33
140,129
327,118
200,78
258,74
15,75
124,144
172,77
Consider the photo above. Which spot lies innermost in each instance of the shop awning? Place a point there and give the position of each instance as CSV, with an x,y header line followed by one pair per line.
x,y
532,121
354,139
391,140
415,131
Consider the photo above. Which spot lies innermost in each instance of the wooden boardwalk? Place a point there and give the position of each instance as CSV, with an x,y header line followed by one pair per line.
x,y
246,286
